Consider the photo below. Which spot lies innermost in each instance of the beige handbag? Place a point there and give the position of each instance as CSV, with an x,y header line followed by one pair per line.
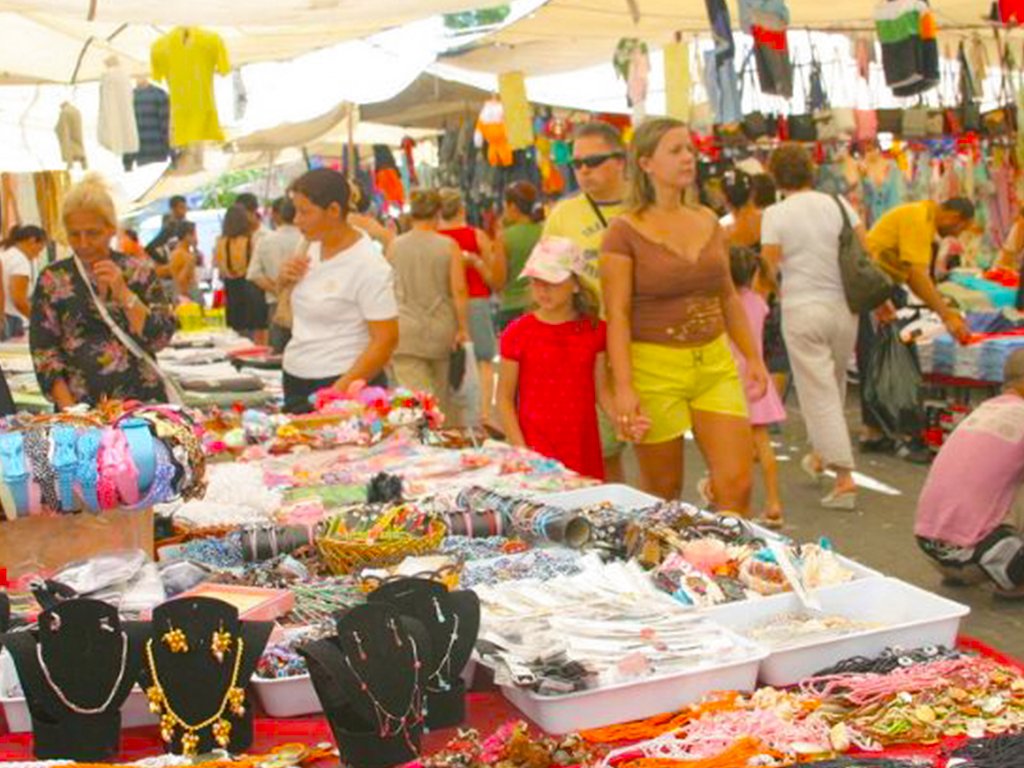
x,y
283,312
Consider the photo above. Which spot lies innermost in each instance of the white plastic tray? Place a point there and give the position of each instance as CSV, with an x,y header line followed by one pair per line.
x,y
635,700
621,496
134,712
287,696
908,616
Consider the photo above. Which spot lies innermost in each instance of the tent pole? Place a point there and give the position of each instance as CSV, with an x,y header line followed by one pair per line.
x,y
351,148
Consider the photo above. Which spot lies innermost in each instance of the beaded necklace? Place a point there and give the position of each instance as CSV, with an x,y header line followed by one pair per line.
x,y
70,704
234,697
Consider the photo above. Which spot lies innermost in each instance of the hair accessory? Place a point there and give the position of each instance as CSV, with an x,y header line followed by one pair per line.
x,y
175,640
63,442
394,630
220,644
359,644
37,446
87,472
16,476
119,478
142,448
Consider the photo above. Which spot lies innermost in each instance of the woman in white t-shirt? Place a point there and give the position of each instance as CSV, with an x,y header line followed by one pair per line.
x,y
801,236
344,313
22,246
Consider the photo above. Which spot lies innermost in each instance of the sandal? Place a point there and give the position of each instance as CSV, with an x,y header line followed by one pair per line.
x,y
811,468
773,522
844,500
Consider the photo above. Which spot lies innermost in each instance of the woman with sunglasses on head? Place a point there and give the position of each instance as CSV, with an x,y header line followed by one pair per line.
x,y
672,308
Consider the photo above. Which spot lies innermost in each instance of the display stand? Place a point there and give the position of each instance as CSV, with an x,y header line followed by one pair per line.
x,y
76,672
452,619
370,679
45,544
195,684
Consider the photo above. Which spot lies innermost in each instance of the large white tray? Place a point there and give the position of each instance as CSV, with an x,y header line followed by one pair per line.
x,y
908,617
623,497
134,712
635,700
287,696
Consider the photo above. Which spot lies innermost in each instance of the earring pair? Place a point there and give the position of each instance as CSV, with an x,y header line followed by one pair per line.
x,y
177,642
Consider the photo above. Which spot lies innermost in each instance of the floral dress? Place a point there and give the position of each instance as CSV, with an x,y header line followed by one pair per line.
x,y
70,340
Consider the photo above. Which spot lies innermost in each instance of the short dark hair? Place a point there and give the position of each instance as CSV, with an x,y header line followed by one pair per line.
x,y
792,167
961,206
762,187
743,265
524,196
601,130
737,186
249,201
21,233
287,211
178,200
236,222
323,186
186,228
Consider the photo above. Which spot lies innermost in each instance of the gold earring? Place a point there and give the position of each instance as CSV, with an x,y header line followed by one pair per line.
x,y
220,644
175,640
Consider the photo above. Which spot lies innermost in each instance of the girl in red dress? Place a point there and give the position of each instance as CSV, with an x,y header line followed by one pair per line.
x,y
553,363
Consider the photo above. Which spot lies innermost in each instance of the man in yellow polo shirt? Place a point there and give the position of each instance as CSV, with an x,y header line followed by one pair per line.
x,y
599,161
901,242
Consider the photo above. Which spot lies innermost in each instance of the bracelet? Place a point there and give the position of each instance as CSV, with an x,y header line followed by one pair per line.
x,y
141,445
87,472
161,490
118,477
12,455
37,447
63,441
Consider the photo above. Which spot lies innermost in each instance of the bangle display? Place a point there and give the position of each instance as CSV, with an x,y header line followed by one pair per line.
x,y
161,490
12,455
63,441
118,477
87,472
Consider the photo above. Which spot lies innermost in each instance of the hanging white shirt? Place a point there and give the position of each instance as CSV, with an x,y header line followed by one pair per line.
x,y
332,306
117,130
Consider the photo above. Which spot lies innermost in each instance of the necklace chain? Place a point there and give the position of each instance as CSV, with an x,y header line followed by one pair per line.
x,y
384,717
70,704
444,682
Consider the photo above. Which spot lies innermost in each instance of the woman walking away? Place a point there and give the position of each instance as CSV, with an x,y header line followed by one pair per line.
x,y
553,364
671,309
800,236
485,273
430,285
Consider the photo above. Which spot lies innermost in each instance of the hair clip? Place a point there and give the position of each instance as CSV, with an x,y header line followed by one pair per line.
x,y
175,640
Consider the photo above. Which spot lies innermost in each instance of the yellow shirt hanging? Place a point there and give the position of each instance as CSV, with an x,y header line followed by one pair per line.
x,y
187,57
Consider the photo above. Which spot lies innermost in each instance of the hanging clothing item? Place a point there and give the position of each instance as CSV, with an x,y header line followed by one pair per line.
x,y
386,176
152,118
515,110
187,57
910,51
116,129
864,54
490,128
750,10
969,83
723,88
241,95
1011,11
721,29
632,65
677,81
882,197
771,55
69,134
408,144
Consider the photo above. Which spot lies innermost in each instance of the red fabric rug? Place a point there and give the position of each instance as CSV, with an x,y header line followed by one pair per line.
x,y
486,712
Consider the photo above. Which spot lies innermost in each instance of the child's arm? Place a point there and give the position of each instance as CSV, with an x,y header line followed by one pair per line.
x,y
605,393
508,384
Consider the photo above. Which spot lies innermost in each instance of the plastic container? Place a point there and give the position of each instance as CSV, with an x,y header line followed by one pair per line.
x,y
635,700
621,496
134,712
907,616
287,696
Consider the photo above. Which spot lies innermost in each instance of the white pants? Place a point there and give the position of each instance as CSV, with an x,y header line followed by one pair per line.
x,y
820,339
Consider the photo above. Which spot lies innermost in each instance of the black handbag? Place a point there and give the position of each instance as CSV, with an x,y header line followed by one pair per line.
x,y
802,128
756,126
865,285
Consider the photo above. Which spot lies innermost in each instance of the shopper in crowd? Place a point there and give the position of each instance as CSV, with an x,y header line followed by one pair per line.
x,y
800,237
599,163
269,254
157,248
433,300
671,308
232,255
344,313
99,316
745,267
361,217
128,243
902,241
552,363
485,274
184,277
17,253
523,224
251,204
970,517
256,298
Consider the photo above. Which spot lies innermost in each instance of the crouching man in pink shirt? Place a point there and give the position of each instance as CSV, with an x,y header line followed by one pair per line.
x,y
970,517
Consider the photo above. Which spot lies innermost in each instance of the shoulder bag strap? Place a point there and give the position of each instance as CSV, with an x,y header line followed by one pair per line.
x,y
174,394
597,211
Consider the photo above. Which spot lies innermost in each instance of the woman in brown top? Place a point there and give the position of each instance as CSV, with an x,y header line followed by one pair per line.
x,y
671,305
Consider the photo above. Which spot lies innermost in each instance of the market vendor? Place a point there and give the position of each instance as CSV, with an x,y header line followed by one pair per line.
x,y
344,312
99,316
970,515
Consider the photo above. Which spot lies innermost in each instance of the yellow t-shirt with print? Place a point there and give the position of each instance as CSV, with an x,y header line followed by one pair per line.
x,y
576,219
903,238
187,57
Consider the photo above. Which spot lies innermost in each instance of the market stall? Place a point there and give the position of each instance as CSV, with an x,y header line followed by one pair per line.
x,y
363,577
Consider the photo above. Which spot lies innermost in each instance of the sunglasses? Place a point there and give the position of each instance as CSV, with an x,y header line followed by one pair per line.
x,y
593,161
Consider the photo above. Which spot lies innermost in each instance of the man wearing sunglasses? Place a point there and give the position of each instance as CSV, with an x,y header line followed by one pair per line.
x,y
599,162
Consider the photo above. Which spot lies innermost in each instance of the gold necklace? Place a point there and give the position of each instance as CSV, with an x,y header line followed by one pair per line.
x,y
234,697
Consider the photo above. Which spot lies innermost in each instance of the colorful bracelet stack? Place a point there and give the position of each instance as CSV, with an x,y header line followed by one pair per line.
x,y
63,464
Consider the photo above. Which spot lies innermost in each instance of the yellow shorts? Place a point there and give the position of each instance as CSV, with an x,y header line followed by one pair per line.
x,y
672,381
